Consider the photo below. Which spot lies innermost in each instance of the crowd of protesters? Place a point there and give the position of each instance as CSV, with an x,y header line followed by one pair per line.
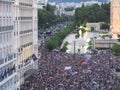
x,y
61,71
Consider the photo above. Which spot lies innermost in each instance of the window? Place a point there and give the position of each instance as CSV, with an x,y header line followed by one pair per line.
x,y
0,21
0,41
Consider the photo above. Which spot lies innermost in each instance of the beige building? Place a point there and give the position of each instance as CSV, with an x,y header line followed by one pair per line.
x,y
25,37
115,17
104,43
95,26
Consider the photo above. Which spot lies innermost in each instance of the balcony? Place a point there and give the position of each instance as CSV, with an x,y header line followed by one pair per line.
x,y
6,60
7,78
28,64
1,60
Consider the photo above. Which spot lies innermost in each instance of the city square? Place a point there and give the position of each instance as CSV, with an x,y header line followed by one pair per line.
x,y
59,45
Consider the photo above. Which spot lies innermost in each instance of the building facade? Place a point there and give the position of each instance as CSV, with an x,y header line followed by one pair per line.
x,y
115,17
25,37
7,56
95,26
18,41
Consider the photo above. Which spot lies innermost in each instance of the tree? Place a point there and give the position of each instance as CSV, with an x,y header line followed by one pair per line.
x,y
92,13
46,16
118,36
56,40
116,48
104,26
64,48
106,7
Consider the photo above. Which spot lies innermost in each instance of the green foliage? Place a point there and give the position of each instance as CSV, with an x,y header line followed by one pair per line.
x,y
89,47
106,7
116,48
77,35
50,8
110,36
89,43
92,29
45,18
64,48
94,13
118,36
104,26
57,39
105,35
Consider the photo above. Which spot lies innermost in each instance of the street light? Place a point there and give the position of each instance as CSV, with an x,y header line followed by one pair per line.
x,y
110,36
109,54
74,50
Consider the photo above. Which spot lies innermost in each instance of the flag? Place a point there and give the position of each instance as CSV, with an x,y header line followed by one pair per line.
x,y
34,57
8,71
73,73
5,72
13,67
67,67
87,58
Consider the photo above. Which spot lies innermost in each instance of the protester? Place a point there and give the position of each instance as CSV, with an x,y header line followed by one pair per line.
x,y
59,71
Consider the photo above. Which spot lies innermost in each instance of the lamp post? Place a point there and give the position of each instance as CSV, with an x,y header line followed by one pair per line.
x,y
110,47
74,50
109,54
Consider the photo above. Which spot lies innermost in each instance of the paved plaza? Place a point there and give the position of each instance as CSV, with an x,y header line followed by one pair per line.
x,y
80,43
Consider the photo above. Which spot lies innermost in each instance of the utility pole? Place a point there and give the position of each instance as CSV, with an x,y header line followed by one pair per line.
x,y
74,50
109,54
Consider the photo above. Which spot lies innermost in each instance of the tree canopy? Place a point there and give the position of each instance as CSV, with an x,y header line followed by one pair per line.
x,y
94,13
46,16
116,48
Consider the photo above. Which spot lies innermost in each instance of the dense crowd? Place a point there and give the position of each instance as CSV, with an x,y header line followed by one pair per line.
x,y
60,71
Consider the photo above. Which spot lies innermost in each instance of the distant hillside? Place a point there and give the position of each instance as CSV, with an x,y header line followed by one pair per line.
x,y
76,0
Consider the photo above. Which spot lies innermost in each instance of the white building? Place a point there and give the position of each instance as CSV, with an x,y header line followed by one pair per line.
x,y
18,41
7,55
25,37
89,3
42,3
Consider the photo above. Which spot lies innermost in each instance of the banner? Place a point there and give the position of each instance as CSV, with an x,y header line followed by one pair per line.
x,y
34,57
73,73
67,67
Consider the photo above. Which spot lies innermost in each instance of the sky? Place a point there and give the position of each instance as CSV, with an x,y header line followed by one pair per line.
x,y
76,0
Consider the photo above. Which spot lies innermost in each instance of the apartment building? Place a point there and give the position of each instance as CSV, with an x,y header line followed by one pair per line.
x,y
115,17
18,41
25,37
7,56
